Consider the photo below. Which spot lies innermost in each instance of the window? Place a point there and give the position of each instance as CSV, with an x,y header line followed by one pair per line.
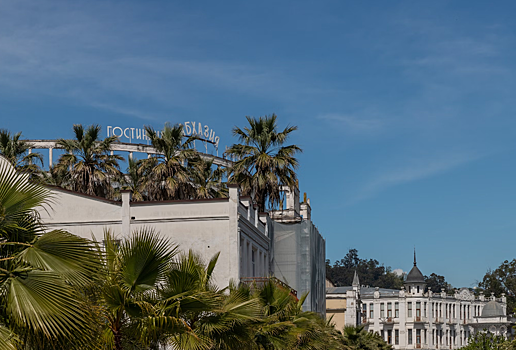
x,y
418,336
371,311
409,289
409,310
396,309
424,340
389,310
382,334
433,336
364,310
418,309
409,333
382,310
389,336
253,254
418,289
440,309
424,309
432,309
396,337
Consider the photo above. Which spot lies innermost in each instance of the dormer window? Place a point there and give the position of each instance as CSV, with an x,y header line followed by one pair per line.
x,y
418,289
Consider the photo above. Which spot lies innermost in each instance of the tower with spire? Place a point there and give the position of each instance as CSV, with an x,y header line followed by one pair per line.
x,y
415,282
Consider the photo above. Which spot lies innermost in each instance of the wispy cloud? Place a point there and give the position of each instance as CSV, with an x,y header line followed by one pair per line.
x,y
354,123
414,170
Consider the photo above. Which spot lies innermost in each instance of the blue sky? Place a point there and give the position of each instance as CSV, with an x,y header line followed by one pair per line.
x,y
405,109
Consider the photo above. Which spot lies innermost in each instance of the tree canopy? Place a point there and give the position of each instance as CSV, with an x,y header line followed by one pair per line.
x,y
501,280
370,272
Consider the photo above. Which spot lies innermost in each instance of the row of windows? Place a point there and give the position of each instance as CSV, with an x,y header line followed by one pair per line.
x,y
436,310
442,338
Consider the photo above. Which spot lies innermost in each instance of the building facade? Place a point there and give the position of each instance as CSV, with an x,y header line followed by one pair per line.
x,y
411,318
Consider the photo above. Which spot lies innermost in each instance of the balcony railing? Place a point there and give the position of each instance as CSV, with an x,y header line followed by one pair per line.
x,y
262,280
418,346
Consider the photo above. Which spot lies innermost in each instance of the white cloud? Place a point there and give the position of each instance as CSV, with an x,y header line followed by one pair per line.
x,y
399,272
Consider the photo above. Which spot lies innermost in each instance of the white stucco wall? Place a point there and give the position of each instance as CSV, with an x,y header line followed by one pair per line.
x,y
204,226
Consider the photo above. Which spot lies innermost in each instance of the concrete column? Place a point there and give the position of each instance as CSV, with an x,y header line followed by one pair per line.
x,y
126,212
233,234
130,155
50,158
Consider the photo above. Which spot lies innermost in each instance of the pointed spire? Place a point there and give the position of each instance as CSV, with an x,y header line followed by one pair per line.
x,y
355,280
415,256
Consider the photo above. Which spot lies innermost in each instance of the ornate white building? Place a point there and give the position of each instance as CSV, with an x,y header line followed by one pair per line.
x,y
412,319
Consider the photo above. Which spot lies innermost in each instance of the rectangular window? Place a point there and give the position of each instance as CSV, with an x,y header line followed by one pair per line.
x,y
396,337
389,336
371,311
389,310
418,336
253,253
409,333
396,309
409,309
382,310
382,334
364,310
424,309
432,305
440,309
424,339
418,309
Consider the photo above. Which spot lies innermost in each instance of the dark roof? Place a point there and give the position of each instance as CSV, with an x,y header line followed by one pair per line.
x,y
365,292
415,276
492,309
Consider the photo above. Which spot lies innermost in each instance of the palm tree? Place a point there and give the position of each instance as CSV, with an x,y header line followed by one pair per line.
x,y
40,271
263,163
167,175
17,152
88,161
285,326
207,182
196,314
132,270
357,338
133,180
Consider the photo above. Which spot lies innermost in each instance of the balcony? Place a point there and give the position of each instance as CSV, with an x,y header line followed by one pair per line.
x,y
388,320
258,281
419,319
418,346
438,320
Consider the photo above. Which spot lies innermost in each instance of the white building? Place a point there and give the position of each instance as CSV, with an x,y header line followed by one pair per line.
x,y
411,318
231,226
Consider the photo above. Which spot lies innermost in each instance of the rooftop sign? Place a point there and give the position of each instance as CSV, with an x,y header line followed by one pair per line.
x,y
189,128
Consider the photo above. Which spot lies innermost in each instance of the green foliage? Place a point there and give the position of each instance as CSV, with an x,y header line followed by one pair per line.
x,y
357,338
501,280
41,272
437,283
88,162
166,175
370,272
16,151
488,341
263,163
